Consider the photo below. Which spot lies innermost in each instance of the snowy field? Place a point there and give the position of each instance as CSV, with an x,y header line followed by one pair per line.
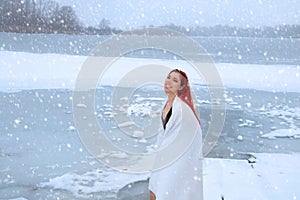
x,y
42,157
46,71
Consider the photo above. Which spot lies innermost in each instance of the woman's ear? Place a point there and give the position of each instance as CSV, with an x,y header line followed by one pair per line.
x,y
181,87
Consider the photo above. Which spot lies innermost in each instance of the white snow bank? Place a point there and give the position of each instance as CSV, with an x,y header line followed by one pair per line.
x,y
270,176
83,185
21,71
261,77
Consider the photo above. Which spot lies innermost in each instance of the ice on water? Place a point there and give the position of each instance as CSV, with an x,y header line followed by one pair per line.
x,y
58,164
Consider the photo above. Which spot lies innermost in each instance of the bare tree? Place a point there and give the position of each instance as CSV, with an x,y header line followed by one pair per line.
x,y
67,18
104,26
50,9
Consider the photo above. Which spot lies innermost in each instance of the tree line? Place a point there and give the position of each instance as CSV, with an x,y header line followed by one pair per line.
x,y
47,16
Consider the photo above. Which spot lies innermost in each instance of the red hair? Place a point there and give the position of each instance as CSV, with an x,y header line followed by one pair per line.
x,y
185,93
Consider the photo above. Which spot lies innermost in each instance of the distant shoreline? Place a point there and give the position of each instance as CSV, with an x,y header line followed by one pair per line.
x,y
284,31
41,30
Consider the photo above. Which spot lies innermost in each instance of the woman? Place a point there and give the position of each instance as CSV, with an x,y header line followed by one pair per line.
x,y
182,179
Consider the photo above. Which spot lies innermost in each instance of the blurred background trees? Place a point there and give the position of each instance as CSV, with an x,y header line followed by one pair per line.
x,y
37,16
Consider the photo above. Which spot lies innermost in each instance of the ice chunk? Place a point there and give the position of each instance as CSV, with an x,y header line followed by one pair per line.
x,y
281,133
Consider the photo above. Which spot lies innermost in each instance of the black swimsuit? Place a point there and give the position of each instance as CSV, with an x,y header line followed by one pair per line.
x,y
167,118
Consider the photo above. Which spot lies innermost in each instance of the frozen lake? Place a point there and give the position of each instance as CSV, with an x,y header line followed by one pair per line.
x,y
42,156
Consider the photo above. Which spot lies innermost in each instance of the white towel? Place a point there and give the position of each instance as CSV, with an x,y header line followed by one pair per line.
x,y
177,170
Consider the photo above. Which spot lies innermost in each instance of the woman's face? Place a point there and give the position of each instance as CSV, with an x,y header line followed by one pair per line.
x,y
173,83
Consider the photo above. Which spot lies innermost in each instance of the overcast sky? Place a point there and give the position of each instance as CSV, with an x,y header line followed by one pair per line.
x,y
134,14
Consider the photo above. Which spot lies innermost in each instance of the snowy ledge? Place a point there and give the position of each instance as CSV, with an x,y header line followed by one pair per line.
x,y
264,177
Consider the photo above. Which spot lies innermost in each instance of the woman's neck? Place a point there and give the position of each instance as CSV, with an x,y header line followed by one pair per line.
x,y
168,106
171,98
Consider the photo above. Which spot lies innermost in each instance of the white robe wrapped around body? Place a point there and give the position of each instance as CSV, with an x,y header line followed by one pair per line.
x,y
182,178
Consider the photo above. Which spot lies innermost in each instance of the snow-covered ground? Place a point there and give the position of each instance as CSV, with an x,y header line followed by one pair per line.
x,y
270,176
44,71
41,156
